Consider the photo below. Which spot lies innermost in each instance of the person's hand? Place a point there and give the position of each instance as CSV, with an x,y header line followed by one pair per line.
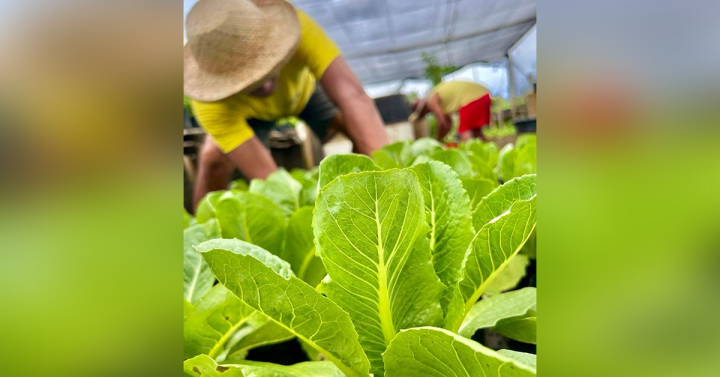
x,y
444,125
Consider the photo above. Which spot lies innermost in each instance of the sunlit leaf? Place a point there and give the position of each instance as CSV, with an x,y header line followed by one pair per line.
x,y
366,227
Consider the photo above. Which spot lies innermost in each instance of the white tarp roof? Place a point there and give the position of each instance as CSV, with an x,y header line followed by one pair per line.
x,y
523,58
383,39
493,76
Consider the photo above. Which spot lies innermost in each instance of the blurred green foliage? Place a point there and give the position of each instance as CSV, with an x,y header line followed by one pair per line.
x,y
433,70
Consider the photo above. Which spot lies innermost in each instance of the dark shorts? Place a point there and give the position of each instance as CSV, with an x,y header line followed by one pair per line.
x,y
318,114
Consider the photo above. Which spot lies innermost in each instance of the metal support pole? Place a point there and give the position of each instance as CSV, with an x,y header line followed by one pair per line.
x,y
511,80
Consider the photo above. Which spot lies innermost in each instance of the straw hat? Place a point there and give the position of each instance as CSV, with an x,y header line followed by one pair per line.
x,y
233,44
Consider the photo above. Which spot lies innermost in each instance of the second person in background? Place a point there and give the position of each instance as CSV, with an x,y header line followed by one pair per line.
x,y
250,62
471,101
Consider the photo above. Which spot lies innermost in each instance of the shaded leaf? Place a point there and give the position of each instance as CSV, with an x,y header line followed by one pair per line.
x,y
187,308
299,248
197,277
390,156
457,161
525,160
250,217
525,358
431,352
239,184
486,151
424,146
506,162
206,206
477,189
259,330
522,329
481,169
266,283
525,139
213,321
281,188
447,211
187,219
204,366
530,247
453,307
511,275
309,181
489,311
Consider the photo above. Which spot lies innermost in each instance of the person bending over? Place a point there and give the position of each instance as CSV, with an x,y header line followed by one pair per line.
x,y
248,63
470,100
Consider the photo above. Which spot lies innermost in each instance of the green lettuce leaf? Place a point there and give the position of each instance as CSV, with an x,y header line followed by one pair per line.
x,y
487,152
366,228
435,352
249,217
453,305
206,206
457,161
447,211
526,160
494,245
518,160
421,147
197,277
390,156
336,165
500,200
490,311
259,330
511,275
506,162
421,159
309,181
281,188
187,219
187,308
239,184
525,358
481,168
524,140
522,329
267,284
477,189
204,366
299,248
504,220
213,321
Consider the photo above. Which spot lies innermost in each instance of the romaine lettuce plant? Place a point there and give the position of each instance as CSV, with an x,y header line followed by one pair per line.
x,y
384,267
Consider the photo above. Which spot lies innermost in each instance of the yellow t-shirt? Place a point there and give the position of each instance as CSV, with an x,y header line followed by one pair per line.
x,y
226,120
455,94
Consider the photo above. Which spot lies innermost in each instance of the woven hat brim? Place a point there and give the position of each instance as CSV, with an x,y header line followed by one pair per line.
x,y
283,37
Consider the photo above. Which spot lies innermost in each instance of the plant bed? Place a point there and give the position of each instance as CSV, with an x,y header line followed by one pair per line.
x,y
393,266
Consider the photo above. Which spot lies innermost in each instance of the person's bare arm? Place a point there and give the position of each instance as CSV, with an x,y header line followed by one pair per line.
x,y
253,159
444,121
364,125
